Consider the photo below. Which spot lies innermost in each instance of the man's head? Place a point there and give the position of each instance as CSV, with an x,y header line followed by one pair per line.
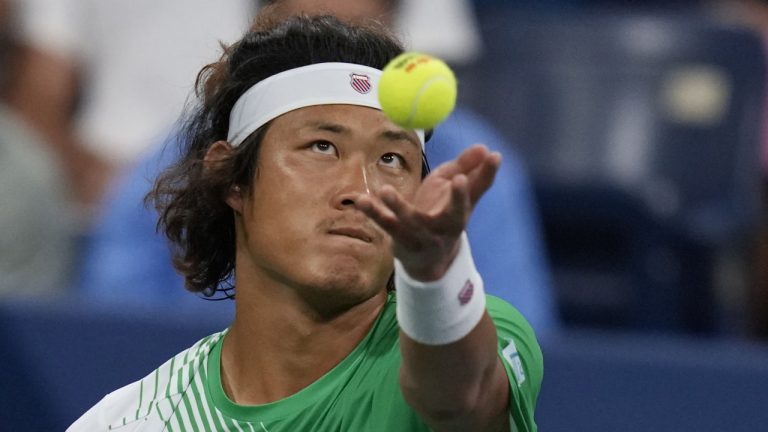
x,y
298,222
196,198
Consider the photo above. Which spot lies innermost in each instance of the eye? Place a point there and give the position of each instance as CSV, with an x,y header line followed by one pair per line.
x,y
323,147
393,160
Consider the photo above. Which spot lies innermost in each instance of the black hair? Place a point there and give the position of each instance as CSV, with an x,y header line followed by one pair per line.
x,y
190,197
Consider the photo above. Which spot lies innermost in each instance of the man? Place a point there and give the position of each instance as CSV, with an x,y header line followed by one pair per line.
x,y
112,272
297,185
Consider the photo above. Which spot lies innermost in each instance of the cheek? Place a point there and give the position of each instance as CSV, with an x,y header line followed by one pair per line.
x,y
286,195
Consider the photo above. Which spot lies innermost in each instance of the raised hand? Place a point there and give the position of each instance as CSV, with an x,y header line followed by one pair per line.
x,y
426,229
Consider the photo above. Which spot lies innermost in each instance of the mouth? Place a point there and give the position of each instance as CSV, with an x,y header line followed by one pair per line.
x,y
355,233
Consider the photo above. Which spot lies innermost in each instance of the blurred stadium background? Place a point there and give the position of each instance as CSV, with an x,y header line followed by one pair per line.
x,y
642,126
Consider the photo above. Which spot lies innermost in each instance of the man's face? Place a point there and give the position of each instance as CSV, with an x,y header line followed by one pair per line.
x,y
300,224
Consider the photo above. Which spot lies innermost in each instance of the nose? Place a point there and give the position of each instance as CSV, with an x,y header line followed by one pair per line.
x,y
356,178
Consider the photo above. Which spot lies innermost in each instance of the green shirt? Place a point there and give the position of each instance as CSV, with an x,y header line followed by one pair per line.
x,y
361,393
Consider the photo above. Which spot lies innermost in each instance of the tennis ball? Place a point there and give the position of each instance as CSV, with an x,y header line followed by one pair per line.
x,y
417,91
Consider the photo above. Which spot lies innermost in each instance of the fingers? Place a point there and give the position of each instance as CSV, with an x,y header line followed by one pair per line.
x,y
394,222
479,165
464,163
461,204
454,205
445,199
395,202
377,211
403,220
481,178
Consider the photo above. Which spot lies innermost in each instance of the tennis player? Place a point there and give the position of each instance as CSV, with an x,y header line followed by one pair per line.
x,y
358,305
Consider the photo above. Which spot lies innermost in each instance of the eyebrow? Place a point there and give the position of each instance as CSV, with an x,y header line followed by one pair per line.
x,y
330,127
401,135
390,134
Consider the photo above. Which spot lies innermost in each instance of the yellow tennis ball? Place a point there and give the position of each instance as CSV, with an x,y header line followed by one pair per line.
x,y
417,91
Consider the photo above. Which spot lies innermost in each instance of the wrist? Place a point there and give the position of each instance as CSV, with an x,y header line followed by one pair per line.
x,y
420,271
445,310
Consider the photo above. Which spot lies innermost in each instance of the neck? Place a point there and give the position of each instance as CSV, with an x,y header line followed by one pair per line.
x,y
279,344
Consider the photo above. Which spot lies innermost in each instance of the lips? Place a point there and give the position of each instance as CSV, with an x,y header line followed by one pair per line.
x,y
355,233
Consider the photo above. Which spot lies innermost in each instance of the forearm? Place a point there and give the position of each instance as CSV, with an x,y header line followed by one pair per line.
x,y
451,373
459,386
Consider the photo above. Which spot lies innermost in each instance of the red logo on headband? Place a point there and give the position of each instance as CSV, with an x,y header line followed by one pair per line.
x,y
361,83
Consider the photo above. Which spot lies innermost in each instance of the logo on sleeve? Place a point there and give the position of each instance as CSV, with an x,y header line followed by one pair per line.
x,y
513,358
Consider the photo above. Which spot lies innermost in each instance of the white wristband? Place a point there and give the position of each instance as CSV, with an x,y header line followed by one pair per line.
x,y
445,310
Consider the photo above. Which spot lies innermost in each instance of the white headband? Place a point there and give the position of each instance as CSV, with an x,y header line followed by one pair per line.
x,y
317,84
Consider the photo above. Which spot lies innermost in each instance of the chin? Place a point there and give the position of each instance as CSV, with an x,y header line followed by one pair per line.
x,y
346,285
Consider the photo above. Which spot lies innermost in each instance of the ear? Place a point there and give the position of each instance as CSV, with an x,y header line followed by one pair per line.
x,y
219,151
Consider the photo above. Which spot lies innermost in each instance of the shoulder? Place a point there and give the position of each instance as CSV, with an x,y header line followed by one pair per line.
x,y
100,416
507,315
153,395
513,329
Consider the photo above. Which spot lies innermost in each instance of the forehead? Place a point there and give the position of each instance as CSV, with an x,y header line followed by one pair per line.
x,y
353,119
346,114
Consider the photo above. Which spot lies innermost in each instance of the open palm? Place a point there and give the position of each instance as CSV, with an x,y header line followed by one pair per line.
x,y
426,230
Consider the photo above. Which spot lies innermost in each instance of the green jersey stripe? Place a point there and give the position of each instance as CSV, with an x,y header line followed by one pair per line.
x,y
201,404
189,413
156,375
153,380
170,378
141,399
175,423
181,382
215,414
161,416
233,425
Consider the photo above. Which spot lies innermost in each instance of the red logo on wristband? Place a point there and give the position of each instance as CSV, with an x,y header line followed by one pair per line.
x,y
465,295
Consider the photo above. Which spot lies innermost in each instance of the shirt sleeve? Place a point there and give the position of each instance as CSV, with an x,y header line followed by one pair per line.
x,y
92,420
110,409
521,355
